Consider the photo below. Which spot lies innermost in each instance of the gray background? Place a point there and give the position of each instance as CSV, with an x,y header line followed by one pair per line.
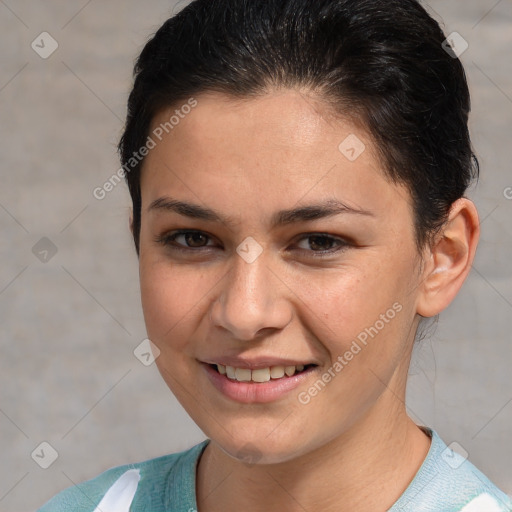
x,y
69,325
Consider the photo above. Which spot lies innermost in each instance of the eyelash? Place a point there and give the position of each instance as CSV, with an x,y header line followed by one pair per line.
x,y
168,240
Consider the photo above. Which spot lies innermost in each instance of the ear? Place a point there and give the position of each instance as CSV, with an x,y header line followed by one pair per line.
x,y
449,260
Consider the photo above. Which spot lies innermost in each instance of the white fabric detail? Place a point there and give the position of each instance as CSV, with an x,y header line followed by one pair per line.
x,y
483,503
120,496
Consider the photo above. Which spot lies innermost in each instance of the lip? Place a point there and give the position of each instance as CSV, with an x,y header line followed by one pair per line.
x,y
258,363
256,392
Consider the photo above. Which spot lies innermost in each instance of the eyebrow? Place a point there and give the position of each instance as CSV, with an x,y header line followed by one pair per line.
x,y
327,208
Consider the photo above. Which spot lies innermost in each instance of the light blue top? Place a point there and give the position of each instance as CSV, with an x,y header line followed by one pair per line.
x,y
446,482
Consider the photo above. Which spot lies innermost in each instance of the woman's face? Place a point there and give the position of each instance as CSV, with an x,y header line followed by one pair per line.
x,y
296,251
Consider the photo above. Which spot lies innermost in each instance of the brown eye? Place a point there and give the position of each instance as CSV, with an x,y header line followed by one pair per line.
x,y
195,239
184,240
319,245
321,242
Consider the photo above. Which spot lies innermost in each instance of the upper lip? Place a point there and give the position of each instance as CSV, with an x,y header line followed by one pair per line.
x,y
255,363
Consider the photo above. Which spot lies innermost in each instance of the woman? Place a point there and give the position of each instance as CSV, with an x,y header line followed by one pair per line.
x,y
297,171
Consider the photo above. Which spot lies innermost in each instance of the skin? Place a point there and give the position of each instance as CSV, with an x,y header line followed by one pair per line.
x,y
352,447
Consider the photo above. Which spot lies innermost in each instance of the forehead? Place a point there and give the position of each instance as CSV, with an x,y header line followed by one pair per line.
x,y
278,120
284,146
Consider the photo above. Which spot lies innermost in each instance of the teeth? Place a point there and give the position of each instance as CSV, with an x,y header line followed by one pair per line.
x,y
259,375
276,372
230,372
243,375
289,370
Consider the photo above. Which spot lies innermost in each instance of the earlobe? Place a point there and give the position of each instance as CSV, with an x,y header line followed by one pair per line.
x,y
450,259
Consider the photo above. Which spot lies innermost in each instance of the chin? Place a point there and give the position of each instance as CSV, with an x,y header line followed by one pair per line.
x,y
260,449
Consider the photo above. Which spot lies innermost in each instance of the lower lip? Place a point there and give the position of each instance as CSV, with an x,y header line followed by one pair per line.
x,y
256,392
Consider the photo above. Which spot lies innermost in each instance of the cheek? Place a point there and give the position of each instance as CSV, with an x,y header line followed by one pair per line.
x,y
346,299
170,296
367,303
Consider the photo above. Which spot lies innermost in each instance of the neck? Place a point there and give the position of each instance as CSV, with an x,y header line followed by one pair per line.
x,y
366,468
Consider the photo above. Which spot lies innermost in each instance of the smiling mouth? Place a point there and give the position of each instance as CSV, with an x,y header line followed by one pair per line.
x,y
260,375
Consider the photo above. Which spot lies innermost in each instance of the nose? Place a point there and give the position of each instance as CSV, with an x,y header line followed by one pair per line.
x,y
252,300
